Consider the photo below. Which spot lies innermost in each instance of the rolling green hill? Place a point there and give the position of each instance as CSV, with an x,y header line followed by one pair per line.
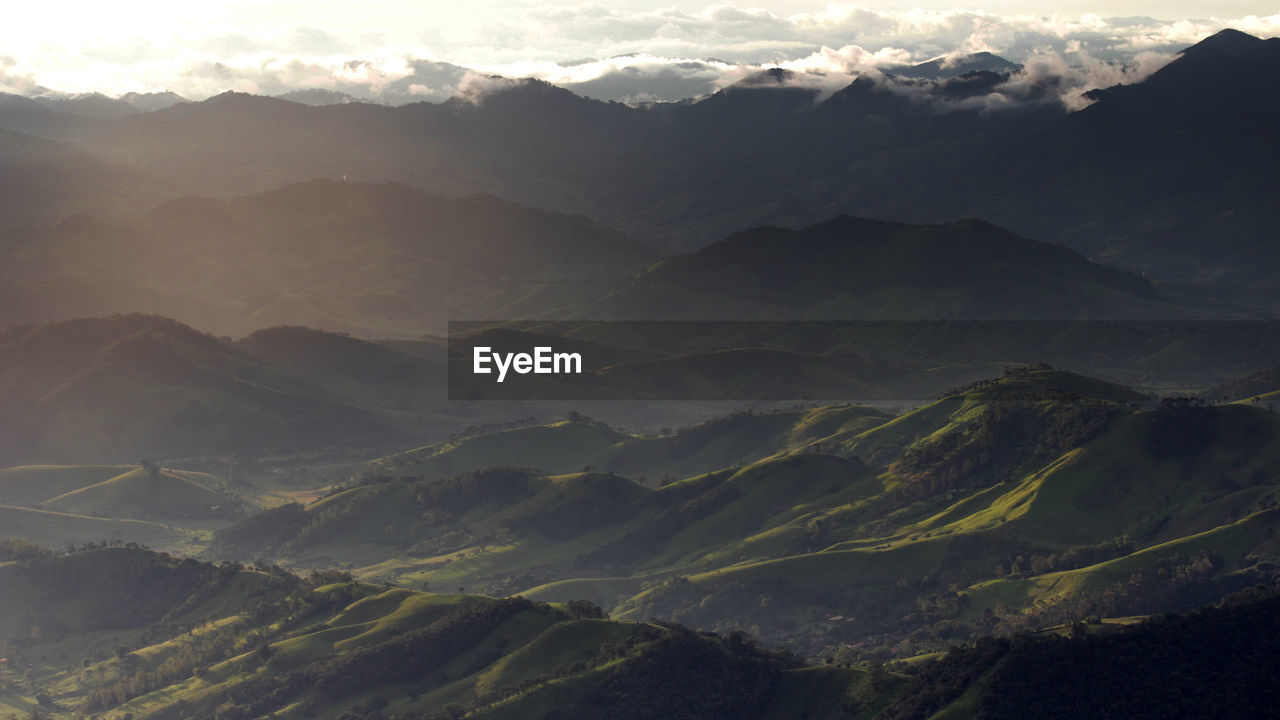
x,y
151,636
1036,498
118,491
1025,501
142,494
146,635
571,445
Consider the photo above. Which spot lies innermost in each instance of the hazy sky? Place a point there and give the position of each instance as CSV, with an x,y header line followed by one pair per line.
x,y
386,49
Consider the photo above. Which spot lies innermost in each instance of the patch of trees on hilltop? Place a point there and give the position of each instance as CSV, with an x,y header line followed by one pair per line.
x,y
1007,436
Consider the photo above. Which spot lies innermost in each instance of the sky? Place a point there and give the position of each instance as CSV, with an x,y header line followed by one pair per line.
x,y
405,50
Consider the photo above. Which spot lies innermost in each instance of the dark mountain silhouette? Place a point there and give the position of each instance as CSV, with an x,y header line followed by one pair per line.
x,y
853,268
1139,178
1180,169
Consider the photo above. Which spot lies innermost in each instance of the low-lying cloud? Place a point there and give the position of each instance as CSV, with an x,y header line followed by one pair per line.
x,y
627,55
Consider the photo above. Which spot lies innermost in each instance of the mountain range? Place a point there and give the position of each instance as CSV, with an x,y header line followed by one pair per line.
x,y
945,393
1138,178
381,260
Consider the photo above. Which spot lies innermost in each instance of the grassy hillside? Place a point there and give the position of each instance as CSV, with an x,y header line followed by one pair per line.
x,y
119,491
156,637
571,445
151,636
143,493
560,447
1018,503
1029,500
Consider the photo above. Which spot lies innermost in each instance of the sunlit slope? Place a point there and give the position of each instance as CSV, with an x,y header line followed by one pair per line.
x,y
960,506
955,410
1159,511
1029,483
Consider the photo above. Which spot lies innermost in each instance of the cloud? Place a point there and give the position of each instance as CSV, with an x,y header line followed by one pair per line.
x,y
474,86
14,81
1053,78
647,78
427,81
607,52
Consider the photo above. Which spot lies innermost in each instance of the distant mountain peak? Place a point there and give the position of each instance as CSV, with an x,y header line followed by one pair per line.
x,y
505,90
861,268
1229,41
318,96
146,102
770,76
956,65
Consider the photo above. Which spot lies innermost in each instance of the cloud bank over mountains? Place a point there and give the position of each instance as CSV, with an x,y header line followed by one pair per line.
x,y
608,53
